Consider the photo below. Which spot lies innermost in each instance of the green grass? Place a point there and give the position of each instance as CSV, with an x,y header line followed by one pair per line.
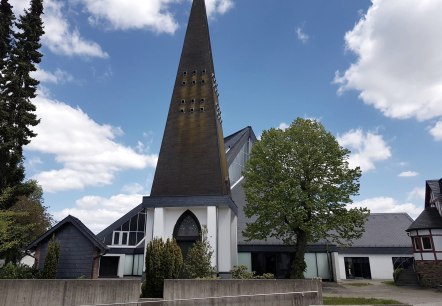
x,y
356,301
358,284
391,283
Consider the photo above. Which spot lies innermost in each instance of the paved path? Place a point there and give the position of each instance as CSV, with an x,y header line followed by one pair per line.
x,y
377,289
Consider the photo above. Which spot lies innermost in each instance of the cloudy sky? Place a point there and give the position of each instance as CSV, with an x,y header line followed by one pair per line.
x,y
370,75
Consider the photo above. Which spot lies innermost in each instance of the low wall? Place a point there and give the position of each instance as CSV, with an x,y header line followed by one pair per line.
x,y
430,273
67,292
243,292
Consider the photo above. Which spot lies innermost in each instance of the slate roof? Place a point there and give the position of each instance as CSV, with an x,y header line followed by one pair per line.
x,y
428,219
383,230
234,142
81,228
433,187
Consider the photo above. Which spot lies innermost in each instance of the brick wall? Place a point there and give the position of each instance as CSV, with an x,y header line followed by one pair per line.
x,y
430,272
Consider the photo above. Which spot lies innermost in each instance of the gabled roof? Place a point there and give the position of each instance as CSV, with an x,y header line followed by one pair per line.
x,y
433,187
428,219
78,225
234,142
119,222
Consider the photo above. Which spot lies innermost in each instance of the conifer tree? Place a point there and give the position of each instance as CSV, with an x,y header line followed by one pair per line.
x,y
17,112
51,260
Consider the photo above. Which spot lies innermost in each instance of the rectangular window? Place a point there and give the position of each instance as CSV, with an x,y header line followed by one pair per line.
x,y
426,243
116,238
417,243
121,238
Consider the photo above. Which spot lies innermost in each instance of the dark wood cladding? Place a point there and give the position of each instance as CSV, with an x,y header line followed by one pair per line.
x,y
192,159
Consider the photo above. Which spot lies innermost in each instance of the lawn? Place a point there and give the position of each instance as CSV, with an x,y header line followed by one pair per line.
x,y
356,301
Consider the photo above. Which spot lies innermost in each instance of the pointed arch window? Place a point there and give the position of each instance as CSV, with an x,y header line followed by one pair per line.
x,y
187,231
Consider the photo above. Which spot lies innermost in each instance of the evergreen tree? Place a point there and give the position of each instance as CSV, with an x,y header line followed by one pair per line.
x,y
51,260
163,261
17,113
6,22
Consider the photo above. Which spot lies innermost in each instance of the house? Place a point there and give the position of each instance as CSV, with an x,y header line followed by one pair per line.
x,y
426,235
80,250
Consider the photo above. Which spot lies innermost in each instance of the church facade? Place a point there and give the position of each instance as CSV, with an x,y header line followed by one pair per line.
x,y
198,188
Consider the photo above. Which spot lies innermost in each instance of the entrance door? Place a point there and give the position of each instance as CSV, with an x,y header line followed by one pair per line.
x,y
109,266
357,267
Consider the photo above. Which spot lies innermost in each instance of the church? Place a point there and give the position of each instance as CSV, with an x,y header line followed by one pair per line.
x,y
198,186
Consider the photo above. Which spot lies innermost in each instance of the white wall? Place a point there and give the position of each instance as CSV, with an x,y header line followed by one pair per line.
x,y
224,245
381,266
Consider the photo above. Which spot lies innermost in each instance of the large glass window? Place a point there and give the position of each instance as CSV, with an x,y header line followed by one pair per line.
x,y
423,243
131,232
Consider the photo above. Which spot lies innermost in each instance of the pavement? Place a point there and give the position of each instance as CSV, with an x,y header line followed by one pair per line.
x,y
417,296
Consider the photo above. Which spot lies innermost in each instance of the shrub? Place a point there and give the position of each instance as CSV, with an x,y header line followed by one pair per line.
x,y
241,272
396,273
163,261
198,263
51,260
12,271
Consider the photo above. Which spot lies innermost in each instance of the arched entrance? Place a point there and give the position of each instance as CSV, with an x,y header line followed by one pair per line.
x,y
187,231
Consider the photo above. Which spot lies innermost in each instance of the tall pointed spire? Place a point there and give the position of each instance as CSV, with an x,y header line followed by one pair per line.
x,y
192,160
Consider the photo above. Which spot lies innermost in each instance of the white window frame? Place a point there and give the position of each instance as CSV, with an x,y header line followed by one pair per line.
x,y
120,238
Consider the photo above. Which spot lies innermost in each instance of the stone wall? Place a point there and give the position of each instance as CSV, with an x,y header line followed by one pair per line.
x,y
67,292
430,273
243,292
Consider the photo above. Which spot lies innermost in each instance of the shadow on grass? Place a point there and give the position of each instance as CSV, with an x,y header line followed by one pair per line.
x,y
357,301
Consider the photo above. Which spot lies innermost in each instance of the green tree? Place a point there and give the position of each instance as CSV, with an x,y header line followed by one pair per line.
x,y
297,186
51,261
198,262
163,261
17,112
25,221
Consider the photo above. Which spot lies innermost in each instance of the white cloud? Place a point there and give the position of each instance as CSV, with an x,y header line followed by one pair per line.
x,y
283,126
218,6
98,212
367,148
408,174
57,77
398,66
87,151
417,193
436,131
61,39
387,205
302,36
132,188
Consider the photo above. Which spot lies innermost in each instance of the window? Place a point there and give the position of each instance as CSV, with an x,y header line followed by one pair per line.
x,y
193,100
423,243
204,71
187,231
194,72
183,101
183,83
182,110
203,81
192,110
121,238
203,100
185,73
202,109
193,82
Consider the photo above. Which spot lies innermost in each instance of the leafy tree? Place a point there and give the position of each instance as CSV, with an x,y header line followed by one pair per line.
x,y
51,261
297,186
25,221
17,113
198,263
19,271
163,261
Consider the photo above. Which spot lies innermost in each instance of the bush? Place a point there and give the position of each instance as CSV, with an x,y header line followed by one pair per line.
x,y
163,261
198,263
11,271
51,260
396,273
241,272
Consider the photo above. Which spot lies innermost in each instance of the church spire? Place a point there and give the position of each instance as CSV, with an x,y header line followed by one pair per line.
x,y
192,160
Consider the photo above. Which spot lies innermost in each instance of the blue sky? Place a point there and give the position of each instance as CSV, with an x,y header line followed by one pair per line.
x,y
371,75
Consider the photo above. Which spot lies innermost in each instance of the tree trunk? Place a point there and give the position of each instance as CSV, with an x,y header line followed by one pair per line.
x,y
298,264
